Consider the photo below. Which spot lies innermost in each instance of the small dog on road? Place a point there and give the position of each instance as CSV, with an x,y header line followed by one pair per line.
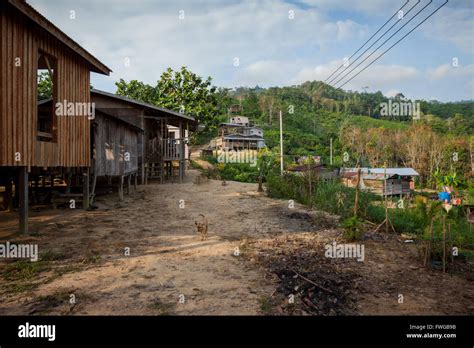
x,y
202,227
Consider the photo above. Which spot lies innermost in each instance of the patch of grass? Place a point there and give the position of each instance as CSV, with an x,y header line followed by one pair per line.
x,y
21,287
24,270
162,308
195,165
91,259
68,269
265,304
52,255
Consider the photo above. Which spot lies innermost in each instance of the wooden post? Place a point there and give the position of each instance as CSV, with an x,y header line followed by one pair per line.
x,y
356,203
444,244
135,181
94,183
23,181
386,200
121,188
181,153
9,196
310,189
143,149
85,189
162,170
68,178
281,143
129,179
451,245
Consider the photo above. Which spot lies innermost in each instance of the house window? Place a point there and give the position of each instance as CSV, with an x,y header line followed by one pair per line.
x,y
46,96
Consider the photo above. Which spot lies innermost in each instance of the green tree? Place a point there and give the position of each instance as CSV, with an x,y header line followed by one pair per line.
x,y
181,91
45,86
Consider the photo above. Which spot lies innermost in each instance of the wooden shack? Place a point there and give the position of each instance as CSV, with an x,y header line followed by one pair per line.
x,y
32,141
114,145
164,134
389,181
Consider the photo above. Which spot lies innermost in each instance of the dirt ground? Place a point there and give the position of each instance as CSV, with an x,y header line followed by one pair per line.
x,y
239,270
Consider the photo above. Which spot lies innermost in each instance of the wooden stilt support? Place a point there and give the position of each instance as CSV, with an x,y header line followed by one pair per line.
x,y
181,153
146,174
162,171
121,188
9,196
135,181
129,179
94,183
23,181
68,179
85,190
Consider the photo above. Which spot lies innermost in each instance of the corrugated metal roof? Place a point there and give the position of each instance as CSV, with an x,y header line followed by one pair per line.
x,y
389,171
242,137
146,105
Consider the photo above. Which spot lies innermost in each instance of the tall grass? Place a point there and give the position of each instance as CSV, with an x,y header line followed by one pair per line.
x,y
332,196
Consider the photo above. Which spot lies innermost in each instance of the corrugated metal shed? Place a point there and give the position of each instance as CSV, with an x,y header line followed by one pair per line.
x,y
381,171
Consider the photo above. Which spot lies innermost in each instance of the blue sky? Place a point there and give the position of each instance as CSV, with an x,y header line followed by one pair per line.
x,y
273,49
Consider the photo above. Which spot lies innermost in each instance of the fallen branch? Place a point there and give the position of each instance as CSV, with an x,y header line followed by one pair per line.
x,y
317,285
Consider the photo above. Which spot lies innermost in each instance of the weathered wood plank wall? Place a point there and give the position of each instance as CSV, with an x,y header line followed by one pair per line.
x,y
20,44
113,139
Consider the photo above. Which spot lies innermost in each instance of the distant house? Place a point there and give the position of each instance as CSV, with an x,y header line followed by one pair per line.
x,y
317,170
240,120
237,136
399,181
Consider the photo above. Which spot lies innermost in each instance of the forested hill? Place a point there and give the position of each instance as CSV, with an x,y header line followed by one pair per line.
x,y
314,112
261,104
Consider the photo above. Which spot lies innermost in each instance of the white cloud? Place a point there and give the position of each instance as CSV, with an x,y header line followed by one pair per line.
x,y
370,7
265,73
376,77
272,49
448,70
454,25
208,39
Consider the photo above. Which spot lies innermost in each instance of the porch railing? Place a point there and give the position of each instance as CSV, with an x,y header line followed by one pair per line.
x,y
167,149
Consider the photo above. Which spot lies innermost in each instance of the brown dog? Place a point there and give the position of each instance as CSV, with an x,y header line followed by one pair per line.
x,y
202,227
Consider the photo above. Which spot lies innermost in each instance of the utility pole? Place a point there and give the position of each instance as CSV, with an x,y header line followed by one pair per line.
x,y
281,143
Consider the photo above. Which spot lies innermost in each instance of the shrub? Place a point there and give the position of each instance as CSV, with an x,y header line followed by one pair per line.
x,y
353,228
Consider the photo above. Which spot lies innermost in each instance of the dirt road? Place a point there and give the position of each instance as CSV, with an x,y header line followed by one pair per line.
x,y
169,270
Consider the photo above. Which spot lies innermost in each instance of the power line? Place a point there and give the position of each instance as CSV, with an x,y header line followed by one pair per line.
x,y
372,45
432,13
383,43
365,43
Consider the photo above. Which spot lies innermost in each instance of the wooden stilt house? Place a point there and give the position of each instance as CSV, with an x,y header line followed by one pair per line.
x,y
162,146
33,140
